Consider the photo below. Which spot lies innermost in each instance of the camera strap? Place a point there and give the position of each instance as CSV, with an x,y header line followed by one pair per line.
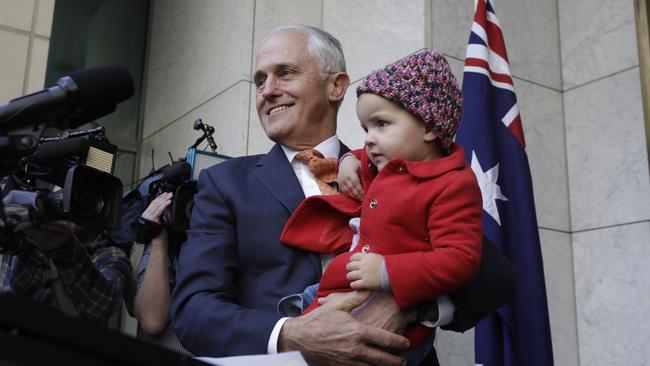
x,y
63,299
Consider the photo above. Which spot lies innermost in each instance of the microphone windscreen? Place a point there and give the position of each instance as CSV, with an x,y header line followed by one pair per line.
x,y
102,85
175,171
55,150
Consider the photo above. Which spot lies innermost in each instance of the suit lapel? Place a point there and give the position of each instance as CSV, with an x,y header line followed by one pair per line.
x,y
275,173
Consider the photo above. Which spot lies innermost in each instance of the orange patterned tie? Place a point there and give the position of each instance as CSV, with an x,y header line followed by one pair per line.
x,y
324,170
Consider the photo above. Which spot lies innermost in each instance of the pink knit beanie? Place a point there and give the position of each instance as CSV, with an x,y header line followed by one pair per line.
x,y
424,85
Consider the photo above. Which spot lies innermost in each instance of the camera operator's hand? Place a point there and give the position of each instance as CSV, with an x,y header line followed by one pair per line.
x,y
156,208
51,235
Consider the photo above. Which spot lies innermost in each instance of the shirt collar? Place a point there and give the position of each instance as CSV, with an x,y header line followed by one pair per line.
x,y
330,148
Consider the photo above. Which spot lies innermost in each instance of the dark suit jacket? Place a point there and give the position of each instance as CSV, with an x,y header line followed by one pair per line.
x,y
233,268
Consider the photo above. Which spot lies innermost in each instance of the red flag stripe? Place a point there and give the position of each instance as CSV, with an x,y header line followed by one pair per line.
x,y
516,129
480,16
503,78
495,39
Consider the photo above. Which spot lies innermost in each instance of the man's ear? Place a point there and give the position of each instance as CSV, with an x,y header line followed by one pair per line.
x,y
337,85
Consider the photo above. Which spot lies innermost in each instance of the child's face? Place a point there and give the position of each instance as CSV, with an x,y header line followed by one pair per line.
x,y
392,132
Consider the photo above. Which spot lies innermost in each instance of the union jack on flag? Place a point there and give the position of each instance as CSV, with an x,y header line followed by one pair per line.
x,y
491,134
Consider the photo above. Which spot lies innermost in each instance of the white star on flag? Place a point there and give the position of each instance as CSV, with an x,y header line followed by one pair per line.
x,y
490,190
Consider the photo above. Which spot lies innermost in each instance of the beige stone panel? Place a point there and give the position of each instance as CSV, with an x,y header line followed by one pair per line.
x,y
17,14
455,348
375,33
348,126
13,60
597,38
208,49
227,113
560,293
530,30
451,24
38,65
612,281
456,68
542,117
270,14
44,17
607,152
158,36
258,142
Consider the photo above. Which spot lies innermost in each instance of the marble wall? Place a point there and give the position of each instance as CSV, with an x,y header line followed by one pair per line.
x,y
24,40
608,180
575,68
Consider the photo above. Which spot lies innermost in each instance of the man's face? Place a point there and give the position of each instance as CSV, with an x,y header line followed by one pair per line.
x,y
292,100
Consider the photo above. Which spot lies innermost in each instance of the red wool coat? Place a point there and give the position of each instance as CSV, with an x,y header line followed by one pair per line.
x,y
423,217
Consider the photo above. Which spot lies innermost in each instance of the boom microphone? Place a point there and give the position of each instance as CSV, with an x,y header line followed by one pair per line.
x,y
178,170
55,150
78,98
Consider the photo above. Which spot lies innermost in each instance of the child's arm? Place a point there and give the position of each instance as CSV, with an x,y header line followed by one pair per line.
x,y
348,176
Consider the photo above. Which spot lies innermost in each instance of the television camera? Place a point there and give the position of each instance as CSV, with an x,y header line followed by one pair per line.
x,y
79,162
180,177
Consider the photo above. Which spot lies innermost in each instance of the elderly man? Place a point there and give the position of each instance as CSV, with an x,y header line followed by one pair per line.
x,y
233,269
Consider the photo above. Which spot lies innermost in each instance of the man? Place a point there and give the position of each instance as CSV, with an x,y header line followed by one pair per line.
x,y
233,269
70,268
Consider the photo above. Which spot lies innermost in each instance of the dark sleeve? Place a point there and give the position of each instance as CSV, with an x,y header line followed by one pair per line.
x,y
93,275
206,314
493,287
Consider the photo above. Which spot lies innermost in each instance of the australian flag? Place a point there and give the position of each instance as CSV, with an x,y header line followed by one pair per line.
x,y
492,136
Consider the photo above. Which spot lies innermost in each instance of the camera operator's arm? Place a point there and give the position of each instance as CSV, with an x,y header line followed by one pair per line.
x,y
92,274
152,300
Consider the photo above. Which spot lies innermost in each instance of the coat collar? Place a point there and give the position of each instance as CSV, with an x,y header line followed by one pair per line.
x,y
422,169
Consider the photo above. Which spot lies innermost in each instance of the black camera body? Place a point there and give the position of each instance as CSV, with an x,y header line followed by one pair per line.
x,y
174,178
80,162
89,195
180,178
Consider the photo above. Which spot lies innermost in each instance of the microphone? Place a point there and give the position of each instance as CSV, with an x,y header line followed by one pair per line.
x,y
179,170
55,150
207,133
78,98
206,128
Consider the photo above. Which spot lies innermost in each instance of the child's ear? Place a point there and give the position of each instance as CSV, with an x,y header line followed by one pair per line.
x,y
337,85
430,135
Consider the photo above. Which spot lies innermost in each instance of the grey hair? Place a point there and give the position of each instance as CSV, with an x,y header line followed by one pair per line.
x,y
322,46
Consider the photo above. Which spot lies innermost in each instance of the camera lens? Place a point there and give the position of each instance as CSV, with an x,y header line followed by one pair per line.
x,y
87,206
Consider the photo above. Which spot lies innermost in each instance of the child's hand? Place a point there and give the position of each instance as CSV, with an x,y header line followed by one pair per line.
x,y
364,271
348,177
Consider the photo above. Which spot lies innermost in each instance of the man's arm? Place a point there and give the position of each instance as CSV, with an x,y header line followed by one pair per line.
x,y
493,286
94,281
206,311
227,248
92,275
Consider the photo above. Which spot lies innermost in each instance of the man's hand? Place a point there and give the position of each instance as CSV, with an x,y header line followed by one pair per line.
x,y
156,208
348,177
329,335
364,271
51,235
380,310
